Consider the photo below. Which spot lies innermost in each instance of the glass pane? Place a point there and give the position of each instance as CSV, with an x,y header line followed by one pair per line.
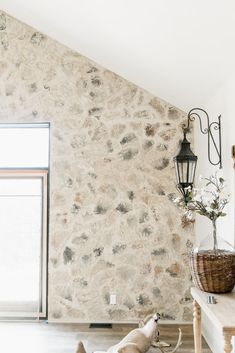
x,y
24,147
177,173
181,172
20,186
20,237
183,168
192,166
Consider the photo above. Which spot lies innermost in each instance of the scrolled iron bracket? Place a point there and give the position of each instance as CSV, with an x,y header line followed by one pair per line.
x,y
208,130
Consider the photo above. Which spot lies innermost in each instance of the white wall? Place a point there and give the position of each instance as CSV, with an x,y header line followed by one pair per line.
x,y
150,35
222,102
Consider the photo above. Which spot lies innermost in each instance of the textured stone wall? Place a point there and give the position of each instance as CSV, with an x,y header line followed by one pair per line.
x,y
113,226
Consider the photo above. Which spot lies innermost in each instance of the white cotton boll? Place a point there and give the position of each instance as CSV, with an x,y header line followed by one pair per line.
x,y
206,200
189,215
224,194
197,198
209,209
219,173
177,200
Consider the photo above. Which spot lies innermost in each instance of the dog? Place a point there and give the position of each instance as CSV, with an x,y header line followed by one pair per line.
x,y
139,340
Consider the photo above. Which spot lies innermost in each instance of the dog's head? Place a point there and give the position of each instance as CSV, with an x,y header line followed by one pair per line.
x,y
156,317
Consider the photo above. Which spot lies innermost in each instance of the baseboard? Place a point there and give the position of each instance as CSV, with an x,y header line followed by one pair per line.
x,y
122,322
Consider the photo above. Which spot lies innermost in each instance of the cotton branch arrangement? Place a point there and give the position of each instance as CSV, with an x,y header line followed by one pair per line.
x,y
208,201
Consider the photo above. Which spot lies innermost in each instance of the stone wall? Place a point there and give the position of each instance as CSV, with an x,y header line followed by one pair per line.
x,y
113,225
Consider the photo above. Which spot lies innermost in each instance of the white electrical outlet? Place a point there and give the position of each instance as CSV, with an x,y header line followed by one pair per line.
x,y
113,299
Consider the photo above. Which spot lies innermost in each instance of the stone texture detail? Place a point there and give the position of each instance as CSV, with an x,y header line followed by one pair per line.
x,y
113,225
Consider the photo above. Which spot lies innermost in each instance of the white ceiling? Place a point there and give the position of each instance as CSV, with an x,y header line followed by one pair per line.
x,y
180,50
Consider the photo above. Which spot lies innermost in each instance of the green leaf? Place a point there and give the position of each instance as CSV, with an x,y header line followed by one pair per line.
x,y
202,213
222,214
214,205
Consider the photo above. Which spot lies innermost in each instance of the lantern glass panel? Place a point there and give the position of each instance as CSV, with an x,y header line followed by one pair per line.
x,y
183,172
192,168
177,172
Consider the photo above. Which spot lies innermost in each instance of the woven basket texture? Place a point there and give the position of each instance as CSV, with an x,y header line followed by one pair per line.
x,y
214,273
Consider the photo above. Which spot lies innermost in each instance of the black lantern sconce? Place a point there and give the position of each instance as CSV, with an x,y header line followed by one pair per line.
x,y
186,161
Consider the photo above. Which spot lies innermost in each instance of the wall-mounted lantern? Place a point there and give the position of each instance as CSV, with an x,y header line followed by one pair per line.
x,y
186,161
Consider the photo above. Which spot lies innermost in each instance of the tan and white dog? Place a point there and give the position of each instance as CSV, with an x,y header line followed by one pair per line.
x,y
138,340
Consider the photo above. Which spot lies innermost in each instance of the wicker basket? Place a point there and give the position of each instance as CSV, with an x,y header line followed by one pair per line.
x,y
214,273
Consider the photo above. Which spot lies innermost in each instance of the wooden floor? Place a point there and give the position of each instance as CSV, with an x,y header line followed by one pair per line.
x,y
60,338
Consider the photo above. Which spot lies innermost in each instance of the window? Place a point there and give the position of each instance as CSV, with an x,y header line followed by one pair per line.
x,y
24,168
24,146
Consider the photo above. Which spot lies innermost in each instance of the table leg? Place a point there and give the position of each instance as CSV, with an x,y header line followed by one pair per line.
x,y
227,343
197,327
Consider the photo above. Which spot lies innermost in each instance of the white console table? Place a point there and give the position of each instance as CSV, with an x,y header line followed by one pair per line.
x,y
222,314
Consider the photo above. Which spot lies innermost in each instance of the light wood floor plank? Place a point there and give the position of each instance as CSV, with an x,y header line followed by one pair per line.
x,y
60,338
